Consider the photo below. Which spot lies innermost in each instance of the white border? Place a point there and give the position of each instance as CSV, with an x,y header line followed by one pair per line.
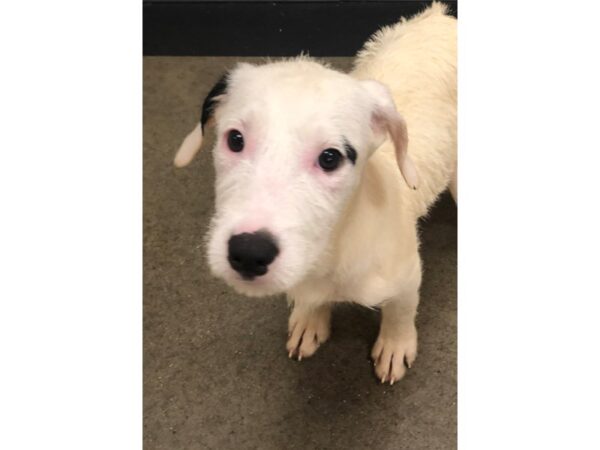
x,y
528,225
71,254
70,238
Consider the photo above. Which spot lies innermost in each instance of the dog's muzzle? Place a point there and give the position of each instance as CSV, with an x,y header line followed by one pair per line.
x,y
250,254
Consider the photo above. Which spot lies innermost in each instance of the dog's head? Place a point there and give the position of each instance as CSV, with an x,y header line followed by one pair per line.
x,y
293,138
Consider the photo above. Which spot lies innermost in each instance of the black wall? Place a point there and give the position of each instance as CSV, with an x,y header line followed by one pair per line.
x,y
259,28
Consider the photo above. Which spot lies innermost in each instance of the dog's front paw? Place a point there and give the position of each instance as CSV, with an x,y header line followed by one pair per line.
x,y
391,355
307,330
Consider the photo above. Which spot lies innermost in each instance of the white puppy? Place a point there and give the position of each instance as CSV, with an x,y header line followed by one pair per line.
x,y
309,198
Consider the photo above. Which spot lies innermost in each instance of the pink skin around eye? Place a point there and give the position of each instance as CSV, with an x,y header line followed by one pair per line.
x,y
310,160
311,163
249,142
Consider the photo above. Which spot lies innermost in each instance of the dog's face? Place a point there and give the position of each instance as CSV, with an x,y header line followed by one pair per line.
x,y
292,141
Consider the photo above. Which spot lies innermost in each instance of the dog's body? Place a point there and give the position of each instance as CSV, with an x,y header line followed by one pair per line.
x,y
371,252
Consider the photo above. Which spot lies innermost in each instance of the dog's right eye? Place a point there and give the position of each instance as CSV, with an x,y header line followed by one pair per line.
x,y
235,141
330,159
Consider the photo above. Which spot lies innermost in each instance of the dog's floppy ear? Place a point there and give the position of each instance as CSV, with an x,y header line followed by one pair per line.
x,y
193,141
385,118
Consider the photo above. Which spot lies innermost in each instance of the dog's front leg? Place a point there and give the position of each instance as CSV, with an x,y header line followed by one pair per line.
x,y
308,328
309,323
397,341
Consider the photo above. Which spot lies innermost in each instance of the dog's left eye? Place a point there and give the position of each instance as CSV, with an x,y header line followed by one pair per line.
x,y
235,141
330,159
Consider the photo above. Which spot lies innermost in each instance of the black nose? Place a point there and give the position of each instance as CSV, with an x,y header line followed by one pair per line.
x,y
251,253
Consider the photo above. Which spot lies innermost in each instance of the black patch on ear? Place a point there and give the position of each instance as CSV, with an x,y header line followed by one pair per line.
x,y
210,102
350,151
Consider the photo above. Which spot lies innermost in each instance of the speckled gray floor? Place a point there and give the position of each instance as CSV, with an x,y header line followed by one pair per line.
x,y
216,373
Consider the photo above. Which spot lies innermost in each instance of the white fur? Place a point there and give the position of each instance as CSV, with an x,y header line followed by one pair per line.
x,y
348,235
